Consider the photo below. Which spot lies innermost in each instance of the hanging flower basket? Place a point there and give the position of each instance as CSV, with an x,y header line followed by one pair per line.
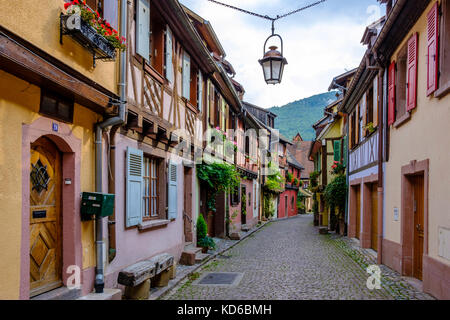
x,y
91,31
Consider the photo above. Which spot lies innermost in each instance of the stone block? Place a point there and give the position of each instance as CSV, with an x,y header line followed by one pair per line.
x,y
235,236
162,279
173,271
139,292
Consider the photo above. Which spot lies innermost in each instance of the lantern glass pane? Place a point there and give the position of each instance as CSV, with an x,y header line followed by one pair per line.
x,y
276,66
267,69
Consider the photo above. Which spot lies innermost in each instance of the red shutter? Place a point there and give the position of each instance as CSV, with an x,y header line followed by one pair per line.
x,y
433,49
411,94
391,93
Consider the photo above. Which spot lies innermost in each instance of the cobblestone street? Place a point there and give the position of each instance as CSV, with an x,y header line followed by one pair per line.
x,y
289,260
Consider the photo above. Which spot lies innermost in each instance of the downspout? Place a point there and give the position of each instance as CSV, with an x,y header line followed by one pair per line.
x,y
115,121
380,90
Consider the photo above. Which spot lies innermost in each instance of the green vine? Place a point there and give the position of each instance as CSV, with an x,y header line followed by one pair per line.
x,y
217,177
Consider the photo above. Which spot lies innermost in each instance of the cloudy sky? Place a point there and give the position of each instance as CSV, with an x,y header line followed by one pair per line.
x,y
319,43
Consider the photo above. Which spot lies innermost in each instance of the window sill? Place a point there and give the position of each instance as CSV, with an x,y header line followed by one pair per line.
x,y
151,224
443,90
402,119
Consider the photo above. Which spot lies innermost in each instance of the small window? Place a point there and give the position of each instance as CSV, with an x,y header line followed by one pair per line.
x,y
150,194
369,109
400,92
250,199
157,45
56,107
235,196
292,201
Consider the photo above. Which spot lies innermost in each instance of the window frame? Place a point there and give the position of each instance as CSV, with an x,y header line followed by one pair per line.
x,y
154,169
59,99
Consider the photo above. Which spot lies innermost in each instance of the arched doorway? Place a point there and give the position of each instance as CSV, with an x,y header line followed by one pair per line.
x,y
45,217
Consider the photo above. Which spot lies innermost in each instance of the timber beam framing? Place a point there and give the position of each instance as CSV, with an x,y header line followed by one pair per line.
x,y
27,62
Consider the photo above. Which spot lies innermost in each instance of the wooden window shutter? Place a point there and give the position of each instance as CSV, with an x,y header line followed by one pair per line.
x,y
365,107
173,183
350,130
143,29
134,183
433,49
345,150
211,104
375,102
337,150
391,94
168,66
111,12
186,75
200,91
412,73
357,124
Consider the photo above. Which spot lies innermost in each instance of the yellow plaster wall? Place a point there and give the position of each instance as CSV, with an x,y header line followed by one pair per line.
x,y
38,23
424,136
19,104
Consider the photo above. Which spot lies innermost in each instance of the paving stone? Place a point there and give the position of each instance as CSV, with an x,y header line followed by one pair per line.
x,y
290,260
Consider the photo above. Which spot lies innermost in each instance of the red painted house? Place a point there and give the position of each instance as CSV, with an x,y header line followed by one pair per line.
x,y
287,201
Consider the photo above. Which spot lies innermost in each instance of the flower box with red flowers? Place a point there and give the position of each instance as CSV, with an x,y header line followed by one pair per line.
x,y
91,31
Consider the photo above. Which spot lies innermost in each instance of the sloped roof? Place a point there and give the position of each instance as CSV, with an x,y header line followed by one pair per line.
x,y
293,161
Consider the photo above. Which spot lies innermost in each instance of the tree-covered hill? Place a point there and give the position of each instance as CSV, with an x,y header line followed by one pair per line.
x,y
299,116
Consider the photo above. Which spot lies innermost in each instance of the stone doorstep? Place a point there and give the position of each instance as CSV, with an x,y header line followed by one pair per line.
x,y
108,294
62,293
173,283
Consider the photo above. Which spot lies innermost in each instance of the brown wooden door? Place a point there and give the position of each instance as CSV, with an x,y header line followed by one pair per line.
x,y
358,212
418,208
45,230
374,231
187,212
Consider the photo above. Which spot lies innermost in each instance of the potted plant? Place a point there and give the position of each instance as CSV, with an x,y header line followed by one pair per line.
x,y
369,127
87,28
203,241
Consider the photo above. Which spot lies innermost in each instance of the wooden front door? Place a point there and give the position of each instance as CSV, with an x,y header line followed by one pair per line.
x,y
418,209
187,212
358,212
243,205
374,224
45,221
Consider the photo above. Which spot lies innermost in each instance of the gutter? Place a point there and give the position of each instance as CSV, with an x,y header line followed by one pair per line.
x,y
115,121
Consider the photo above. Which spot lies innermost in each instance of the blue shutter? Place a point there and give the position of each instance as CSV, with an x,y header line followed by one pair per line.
x,y
186,76
143,28
134,166
173,199
169,55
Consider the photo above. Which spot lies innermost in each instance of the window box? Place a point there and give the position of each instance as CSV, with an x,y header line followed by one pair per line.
x,y
87,36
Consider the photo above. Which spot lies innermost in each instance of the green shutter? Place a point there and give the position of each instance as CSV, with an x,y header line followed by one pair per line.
x,y
337,150
345,150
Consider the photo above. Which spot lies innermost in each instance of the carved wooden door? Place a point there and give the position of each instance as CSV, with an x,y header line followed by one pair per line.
x,y
45,230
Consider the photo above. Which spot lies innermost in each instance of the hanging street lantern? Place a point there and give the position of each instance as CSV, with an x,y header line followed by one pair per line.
x,y
273,61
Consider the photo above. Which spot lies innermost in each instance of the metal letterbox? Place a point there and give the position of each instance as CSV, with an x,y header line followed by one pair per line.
x,y
95,204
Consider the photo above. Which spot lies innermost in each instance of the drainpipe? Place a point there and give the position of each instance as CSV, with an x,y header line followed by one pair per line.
x,y
115,121
381,72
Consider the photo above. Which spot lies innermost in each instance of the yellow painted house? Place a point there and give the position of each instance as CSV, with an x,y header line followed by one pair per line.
x,y
51,97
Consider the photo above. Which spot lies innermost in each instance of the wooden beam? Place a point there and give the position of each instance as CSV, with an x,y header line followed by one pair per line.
x,y
24,63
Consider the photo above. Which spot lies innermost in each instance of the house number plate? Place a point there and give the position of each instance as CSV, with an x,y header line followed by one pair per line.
x,y
39,214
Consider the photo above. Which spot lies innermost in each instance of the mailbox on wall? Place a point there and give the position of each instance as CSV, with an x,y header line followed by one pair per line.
x,y
95,204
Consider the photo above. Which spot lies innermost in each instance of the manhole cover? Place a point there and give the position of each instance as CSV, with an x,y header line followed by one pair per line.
x,y
220,279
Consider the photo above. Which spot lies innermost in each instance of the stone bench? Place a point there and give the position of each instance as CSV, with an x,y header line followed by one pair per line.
x,y
139,277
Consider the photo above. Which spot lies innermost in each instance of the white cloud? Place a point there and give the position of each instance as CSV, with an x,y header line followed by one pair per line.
x,y
315,52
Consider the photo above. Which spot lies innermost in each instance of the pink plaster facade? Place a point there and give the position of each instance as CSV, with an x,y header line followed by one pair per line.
x,y
132,244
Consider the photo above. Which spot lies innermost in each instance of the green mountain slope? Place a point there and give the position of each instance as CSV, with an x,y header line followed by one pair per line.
x,y
299,116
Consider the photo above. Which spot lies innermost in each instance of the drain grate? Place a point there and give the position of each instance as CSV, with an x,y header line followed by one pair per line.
x,y
220,279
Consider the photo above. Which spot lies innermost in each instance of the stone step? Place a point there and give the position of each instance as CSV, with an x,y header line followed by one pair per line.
x,y
188,254
62,293
199,257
